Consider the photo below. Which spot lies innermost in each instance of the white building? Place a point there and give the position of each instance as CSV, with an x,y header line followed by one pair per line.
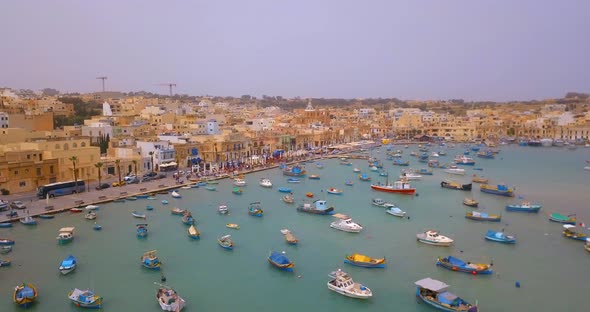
x,y
212,127
366,112
4,120
163,154
261,124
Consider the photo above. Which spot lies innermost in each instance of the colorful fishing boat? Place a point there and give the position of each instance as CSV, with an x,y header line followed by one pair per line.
x,y
569,219
482,216
85,299
169,300
289,237
425,171
400,162
500,237
28,221
569,232
434,293
255,209
343,284
226,242
90,215
364,177
223,208
455,185
142,230
499,189
5,225
314,177
4,263
238,191
193,232
524,207
334,191
76,209
96,227
177,211
401,187
464,160
288,199
138,215
280,260
294,171
477,179
164,202
6,242
24,295
149,207
285,190
348,182
5,249
470,202
188,219
364,261
66,235
210,188
150,260
232,226
458,265
317,207
68,265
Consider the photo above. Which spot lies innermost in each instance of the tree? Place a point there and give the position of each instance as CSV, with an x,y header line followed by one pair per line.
x,y
74,160
118,163
98,166
49,92
152,156
134,166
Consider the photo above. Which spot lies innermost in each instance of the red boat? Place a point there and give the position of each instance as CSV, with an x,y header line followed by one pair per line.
x,y
401,186
76,210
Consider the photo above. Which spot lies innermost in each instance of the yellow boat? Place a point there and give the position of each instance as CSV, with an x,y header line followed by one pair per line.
x,y
24,295
193,232
587,247
233,226
477,179
365,261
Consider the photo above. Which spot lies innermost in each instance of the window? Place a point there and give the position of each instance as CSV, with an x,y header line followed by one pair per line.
x,y
74,145
15,172
83,144
66,147
38,171
28,156
22,184
51,169
26,170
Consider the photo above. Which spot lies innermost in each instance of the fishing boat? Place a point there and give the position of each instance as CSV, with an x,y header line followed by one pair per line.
x,y
226,242
24,295
400,186
309,194
569,232
146,196
85,299
223,209
96,227
434,293
455,170
314,177
374,168
4,263
343,284
569,219
280,260
68,265
239,182
345,223
364,261
187,218
288,199
5,249
525,206
455,186
131,198
464,160
500,237
317,207
6,242
175,194
265,183
319,166
236,190
177,211
169,300
499,189
379,202
294,171
395,211
210,188
193,232
164,202
66,235
345,163
90,215
284,190
289,237
232,226
138,215
5,225
150,260
28,221
348,182
364,177
293,180
356,170
470,202
482,216
400,162
425,171
255,209
334,191
458,265
410,176
477,179
149,207
142,230
432,237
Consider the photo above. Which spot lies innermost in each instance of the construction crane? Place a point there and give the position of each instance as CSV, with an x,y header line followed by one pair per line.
x,y
170,85
103,79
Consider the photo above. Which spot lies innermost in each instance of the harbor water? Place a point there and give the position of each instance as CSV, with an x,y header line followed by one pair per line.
x,y
551,269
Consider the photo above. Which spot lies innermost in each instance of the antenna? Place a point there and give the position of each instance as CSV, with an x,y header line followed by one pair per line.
x,y
103,78
170,85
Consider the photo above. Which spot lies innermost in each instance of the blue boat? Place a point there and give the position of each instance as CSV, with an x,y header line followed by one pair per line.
x,y
188,219
458,265
284,190
294,171
434,293
349,182
142,230
202,184
226,242
143,196
487,154
500,237
148,207
85,299
383,174
400,162
293,180
46,216
5,225
24,295
478,169
364,177
320,207
524,207
6,242
425,171
68,265
499,189
4,263
150,260
28,221
280,261
255,209
96,227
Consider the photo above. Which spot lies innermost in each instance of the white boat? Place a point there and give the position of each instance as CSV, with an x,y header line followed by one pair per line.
x,y
432,237
410,176
356,170
464,160
434,154
395,211
186,187
546,142
169,300
345,224
455,170
265,183
239,182
92,207
343,284
91,215
223,209
65,235
175,194
587,168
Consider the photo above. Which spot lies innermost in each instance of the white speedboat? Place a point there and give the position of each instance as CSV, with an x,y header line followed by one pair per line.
x,y
169,300
265,183
410,176
432,237
395,211
91,215
175,194
455,170
239,182
343,284
345,224
356,170
587,168
222,209
91,207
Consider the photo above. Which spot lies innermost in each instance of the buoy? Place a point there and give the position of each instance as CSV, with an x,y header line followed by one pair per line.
x,y
417,194
517,284
474,272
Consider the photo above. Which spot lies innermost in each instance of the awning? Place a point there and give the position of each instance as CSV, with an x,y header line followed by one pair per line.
x,y
170,164
431,284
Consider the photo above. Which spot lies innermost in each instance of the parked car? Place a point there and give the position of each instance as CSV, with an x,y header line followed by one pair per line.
x,y
146,179
161,176
130,177
135,180
115,184
3,205
103,186
17,204
150,174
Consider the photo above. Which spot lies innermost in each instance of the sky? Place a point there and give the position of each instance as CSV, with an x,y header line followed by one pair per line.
x,y
493,50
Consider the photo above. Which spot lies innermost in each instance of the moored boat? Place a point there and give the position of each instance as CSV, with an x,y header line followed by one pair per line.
x,y
138,215
284,190
425,171
28,221
150,260
525,206
432,237
193,232
24,295
343,284
280,260
177,211
455,185
5,249
570,232
395,211
66,235
454,170
470,202
76,209
232,226
289,237
345,223
255,209
4,263
364,177
238,191
169,300
434,293
223,209
92,207
477,179
265,183
293,180
85,299
349,182
458,265
464,160
400,186
164,202
364,261
334,191
482,216
314,177
226,242
96,227
175,194
309,194
240,182
569,219
500,237
210,188
317,207
187,218
6,224
288,199
410,176
294,171
90,215
68,265
499,189
142,230
6,242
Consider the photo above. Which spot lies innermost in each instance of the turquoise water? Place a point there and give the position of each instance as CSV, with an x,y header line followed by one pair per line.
x,y
551,269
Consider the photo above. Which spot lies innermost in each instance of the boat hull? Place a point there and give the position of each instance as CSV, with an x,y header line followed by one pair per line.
x,y
327,211
347,293
460,187
489,219
563,221
392,190
433,243
501,240
365,265
462,269
533,208
496,192
441,307
349,230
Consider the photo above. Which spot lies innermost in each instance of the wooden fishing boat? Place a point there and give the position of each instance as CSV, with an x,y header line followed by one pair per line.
x,y
138,215
68,265
28,221
288,199
5,225
6,242
364,177
284,190
434,293
524,207
470,202
255,209
66,235
477,179
482,216
280,260
85,299
238,191
499,189
90,215
349,182
149,207
150,260
142,230
500,237
364,261
76,209
5,249
293,180
169,300
226,242
233,226
458,265
455,186
193,232
210,188
569,232
131,198
289,237
46,216
334,191
24,295
4,262
559,218
164,202
314,177
188,219
317,207
177,211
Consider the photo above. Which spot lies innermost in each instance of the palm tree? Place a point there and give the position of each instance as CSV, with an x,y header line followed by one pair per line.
x,y
74,160
134,166
152,156
118,163
98,166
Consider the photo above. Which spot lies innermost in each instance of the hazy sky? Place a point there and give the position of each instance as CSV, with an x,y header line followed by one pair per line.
x,y
414,49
